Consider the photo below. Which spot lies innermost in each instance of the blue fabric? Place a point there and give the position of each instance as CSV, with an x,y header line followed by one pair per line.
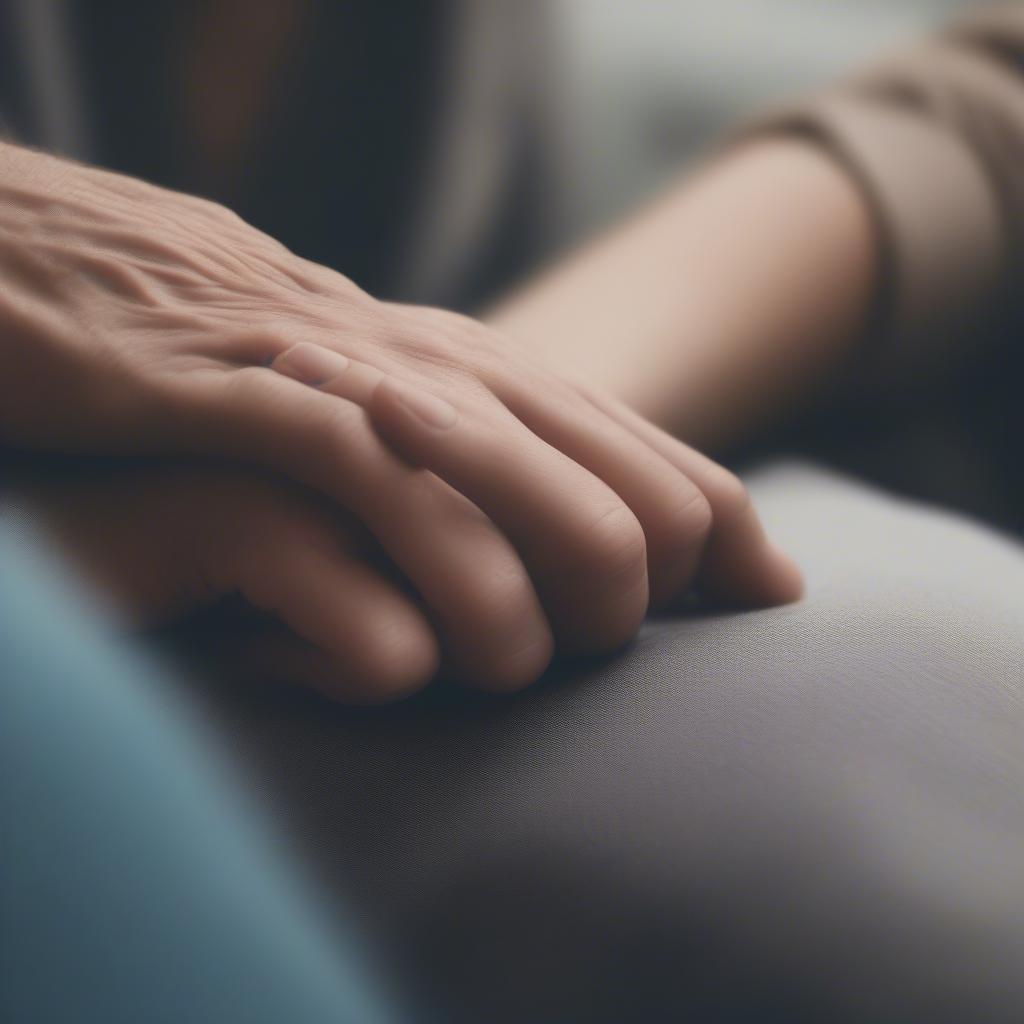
x,y
137,885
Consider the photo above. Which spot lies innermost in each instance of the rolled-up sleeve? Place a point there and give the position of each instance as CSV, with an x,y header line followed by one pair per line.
x,y
934,135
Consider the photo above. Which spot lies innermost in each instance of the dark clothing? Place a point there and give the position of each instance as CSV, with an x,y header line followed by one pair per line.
x,y
344,150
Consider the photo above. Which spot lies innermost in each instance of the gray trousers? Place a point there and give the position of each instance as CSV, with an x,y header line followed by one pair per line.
x,y
807,813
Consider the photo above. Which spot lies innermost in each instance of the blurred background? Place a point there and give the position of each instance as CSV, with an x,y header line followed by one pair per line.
x,y
321,122
648,83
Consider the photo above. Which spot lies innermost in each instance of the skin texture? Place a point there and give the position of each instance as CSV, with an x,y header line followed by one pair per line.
x,y
728,300
527,512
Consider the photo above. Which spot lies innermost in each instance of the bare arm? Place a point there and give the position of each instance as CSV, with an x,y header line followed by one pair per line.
x,y
721,301
888,209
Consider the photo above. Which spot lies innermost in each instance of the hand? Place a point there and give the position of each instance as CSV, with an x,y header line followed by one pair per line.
x,y
142,320
162,542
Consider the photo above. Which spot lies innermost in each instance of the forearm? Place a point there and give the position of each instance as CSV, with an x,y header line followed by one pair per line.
x,y
738,292
722,302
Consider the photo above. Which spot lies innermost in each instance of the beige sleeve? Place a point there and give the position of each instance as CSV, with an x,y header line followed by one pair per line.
x,y
935,137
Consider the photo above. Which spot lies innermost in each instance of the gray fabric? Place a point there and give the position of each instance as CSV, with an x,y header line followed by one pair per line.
x,y
808,813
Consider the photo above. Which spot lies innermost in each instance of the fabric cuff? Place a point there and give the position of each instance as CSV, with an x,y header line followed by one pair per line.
x,y
936,212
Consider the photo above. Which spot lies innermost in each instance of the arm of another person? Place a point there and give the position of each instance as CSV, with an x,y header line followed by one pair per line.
x,y
891,206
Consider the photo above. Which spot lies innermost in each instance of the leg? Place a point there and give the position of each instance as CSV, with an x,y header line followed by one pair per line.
x,y
134,883
808,813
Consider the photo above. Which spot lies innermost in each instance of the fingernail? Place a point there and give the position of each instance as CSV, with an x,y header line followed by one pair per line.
x,y
433,411
311,364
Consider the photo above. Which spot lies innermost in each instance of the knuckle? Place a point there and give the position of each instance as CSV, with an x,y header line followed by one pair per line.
x,y
500,596
509,642
457,326
464,377
726,493
677,543
613,546
451,343
690,520
605,594
681,525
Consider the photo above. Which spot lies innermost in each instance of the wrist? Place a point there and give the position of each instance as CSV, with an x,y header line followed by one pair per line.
x,y
724,299
777,268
